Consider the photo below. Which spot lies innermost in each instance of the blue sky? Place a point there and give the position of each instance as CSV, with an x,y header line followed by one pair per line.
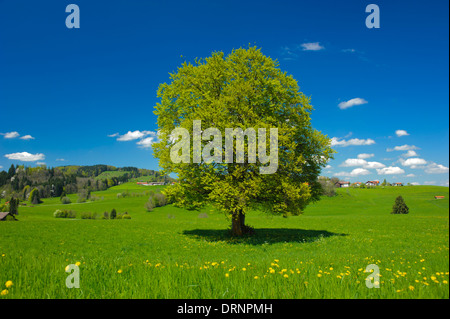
x,y
86,96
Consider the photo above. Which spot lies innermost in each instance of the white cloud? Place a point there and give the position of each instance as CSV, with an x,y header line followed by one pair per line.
x,y
26,157
328,167
391,170
353,173
434,168
11,135
374,165
60,159
403,148
353,162
312,46
410,153
363,163
113,135
27,137
130,136
146,142
415,183
365,156
135,135
335,141
352,102
40,163
410,175
1,167
400,133
413,162
429,183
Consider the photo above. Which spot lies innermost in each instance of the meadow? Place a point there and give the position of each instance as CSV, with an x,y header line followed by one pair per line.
x,y
174,253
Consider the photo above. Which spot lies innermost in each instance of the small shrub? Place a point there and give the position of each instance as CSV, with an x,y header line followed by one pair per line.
x,y
113,214
150,204
105,215
88,215
119,216
160,200
126,216
400,206
65,200
64,214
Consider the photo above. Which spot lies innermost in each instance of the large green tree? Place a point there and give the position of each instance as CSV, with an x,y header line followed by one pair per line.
x,y
243,90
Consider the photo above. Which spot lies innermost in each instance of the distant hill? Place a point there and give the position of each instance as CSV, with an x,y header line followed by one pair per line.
x,y
19,180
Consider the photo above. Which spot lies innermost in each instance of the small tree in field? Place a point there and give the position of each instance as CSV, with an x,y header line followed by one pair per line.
x,y
34,197
400,206
113,214
243,92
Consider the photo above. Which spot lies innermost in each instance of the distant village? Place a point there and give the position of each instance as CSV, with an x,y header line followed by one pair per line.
x,y
343,184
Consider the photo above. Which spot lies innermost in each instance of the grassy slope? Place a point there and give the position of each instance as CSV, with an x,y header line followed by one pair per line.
x,y
321,254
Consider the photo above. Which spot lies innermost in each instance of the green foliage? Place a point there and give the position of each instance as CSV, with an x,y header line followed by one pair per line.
x,y
245,89
88,215
327,186
113,214
105,215
13,206
62,213
65,200
150,204
34,197
400,206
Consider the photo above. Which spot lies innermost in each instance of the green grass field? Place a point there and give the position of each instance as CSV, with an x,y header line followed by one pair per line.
x,y
175,253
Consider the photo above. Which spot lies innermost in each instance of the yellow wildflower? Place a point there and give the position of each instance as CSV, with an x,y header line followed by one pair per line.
x,y
411,288
8,284
119,271
4,292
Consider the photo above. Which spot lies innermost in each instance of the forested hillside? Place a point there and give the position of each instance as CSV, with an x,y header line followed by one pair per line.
x,y
56,181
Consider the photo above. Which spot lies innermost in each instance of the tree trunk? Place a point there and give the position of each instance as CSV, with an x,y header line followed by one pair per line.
x,y
237,224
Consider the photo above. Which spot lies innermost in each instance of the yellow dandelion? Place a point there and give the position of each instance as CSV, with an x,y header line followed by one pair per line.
x,y
119,271
77,263
8,284
331,268
227,275
285,276
445,282
256,277
319,275
276,260
411,288
433,278
339,277
4,292
244,269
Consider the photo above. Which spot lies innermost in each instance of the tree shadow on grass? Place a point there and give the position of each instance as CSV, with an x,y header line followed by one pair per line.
x,y
262,235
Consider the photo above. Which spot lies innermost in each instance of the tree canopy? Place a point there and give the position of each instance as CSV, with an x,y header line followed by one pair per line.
x,y
243,90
